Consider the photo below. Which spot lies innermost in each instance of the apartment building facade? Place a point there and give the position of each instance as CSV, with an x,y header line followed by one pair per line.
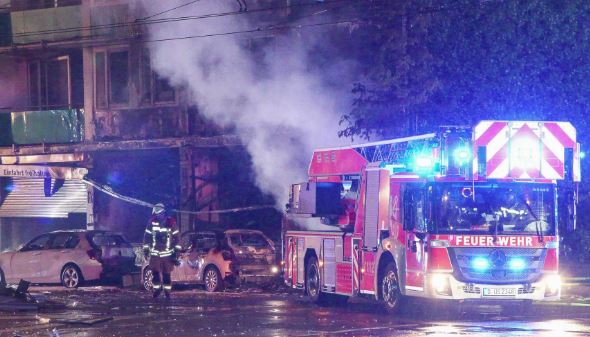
x,y
79,99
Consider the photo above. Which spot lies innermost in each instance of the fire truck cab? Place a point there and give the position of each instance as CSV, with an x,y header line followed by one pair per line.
x,y
460,214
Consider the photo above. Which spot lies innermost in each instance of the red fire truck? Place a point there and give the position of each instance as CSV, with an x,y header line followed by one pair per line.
x,y
460,214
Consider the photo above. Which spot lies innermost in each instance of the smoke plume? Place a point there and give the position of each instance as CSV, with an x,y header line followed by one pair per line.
x,y
277,102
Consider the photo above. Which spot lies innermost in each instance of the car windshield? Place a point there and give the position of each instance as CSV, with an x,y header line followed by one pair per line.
x,y
255,240
505,208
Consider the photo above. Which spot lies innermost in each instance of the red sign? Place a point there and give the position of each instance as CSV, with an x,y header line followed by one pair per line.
x,y
501,241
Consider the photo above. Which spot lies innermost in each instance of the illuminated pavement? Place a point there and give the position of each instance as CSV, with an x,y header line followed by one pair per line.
x,y
192,312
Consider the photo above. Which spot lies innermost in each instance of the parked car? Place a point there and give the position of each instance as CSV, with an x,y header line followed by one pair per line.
x,y
68,257
219,259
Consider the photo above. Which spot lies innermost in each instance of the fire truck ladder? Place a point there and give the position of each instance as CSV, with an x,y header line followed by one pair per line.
x,y
396,151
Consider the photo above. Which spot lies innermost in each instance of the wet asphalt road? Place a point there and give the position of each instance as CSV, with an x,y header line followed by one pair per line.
x,y
192,312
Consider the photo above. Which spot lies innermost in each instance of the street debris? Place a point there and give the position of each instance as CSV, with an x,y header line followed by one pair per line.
x,y
83,319
17,298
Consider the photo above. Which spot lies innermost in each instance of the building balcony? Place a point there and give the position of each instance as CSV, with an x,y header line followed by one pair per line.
x,y
62,22
46,24
42,127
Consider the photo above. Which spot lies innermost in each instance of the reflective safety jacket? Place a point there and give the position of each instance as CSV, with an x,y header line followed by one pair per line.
x,y
161,236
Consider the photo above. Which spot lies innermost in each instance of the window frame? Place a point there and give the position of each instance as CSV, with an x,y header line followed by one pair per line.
x,y
94,79
107,76
28,244
151,87
43,84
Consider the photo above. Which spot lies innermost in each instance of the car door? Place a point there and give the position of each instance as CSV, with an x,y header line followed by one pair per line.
x,y
26,264
59,253
415,226
180,274
199,255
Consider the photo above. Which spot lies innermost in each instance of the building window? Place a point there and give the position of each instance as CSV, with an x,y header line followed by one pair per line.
x,y
58,82
155,89
49,83
111,78
100,79
119,77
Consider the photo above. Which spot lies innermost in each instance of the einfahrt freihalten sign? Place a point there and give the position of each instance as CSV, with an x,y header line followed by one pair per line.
x,y
30,171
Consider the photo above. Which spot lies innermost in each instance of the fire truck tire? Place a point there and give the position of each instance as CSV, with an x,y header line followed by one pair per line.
x,y
2,279
313,285
389,288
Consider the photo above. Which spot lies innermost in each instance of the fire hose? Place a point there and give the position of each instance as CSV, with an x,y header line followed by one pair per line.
x,y
109,191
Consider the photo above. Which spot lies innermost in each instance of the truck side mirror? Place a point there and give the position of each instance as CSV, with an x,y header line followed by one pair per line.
x,y
571,222
420,235
567,209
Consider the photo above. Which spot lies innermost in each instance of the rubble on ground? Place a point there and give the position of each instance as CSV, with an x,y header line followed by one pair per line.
x,y
17,298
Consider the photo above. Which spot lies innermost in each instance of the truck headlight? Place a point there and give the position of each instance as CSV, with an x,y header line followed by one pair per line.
x,y
440,284
274,269
552,284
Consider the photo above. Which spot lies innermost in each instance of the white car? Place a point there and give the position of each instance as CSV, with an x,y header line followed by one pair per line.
x,y
68,257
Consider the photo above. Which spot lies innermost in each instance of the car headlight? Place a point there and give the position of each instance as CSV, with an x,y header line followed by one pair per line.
x,y
274,269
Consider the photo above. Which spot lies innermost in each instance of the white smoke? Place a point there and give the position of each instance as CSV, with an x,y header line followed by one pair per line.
x,y
278,105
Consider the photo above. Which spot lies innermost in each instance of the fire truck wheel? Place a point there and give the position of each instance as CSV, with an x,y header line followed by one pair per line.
x,y
312,280
2,279
391,294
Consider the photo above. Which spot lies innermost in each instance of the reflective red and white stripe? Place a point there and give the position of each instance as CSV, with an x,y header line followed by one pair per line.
x,y
525,150
356,271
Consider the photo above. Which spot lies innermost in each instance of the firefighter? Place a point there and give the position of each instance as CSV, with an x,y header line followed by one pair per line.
x,y
161,246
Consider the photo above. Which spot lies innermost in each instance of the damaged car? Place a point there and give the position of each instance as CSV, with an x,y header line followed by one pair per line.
x,y
69,257
221,259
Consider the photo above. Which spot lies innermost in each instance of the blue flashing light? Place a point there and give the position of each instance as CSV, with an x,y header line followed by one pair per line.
x,y
9,188
480,264
582,154
462,155
424,162
516,264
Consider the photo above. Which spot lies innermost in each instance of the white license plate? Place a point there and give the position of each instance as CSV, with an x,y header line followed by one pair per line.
x,y
499,291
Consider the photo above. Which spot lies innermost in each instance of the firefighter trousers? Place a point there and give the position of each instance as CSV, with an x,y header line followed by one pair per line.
x,y
161,268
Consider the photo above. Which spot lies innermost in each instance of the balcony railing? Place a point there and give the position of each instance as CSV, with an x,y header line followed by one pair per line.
x,y
46,24
42,127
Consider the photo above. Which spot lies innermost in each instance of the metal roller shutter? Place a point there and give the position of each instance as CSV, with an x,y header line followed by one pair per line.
x,y
371,209
26,199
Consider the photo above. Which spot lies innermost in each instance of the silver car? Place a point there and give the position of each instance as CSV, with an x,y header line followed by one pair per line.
x,y
219,259
68,257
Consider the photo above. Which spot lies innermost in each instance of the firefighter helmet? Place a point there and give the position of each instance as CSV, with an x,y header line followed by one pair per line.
x,y
158,209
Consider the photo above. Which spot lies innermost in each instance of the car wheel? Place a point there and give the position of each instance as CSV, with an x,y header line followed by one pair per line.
x,y
312,280
71,277
2,279
213,281
148,279
390,291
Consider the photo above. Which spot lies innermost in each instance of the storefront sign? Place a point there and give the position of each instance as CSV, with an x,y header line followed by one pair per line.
x,y
30,171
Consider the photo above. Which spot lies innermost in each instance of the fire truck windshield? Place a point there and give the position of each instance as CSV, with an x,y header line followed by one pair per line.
x,y
516,208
